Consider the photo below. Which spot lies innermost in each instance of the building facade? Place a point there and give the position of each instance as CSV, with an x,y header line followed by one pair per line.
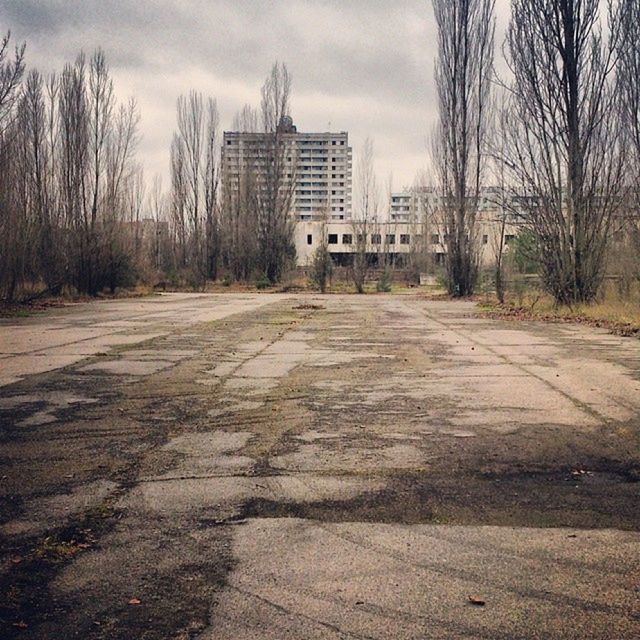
x,y
320,165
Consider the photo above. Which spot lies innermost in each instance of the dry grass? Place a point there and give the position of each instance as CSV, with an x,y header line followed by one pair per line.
x,y
614,310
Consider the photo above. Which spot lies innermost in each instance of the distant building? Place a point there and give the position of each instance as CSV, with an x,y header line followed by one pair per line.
x,y
320,164
411,205
414,226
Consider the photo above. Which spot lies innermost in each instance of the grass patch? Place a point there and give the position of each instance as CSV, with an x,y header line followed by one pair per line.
x,y
613,311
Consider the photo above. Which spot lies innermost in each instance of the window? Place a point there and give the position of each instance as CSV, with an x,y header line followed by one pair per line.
x,y
485,239
309,239
333,238
376,238
362,238
405,238
391,238
509,239
347,238
435,238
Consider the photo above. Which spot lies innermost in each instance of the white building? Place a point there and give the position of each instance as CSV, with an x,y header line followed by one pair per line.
x,y
409,232
320,164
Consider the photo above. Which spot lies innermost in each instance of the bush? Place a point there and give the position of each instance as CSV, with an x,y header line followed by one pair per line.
x,y
524,252
321,268
384,281
227,280
263,282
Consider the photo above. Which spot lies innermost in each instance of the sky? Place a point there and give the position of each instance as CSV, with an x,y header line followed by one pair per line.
x,y
362,66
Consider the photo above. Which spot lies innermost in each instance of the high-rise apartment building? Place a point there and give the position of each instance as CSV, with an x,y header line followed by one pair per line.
x,y
319,163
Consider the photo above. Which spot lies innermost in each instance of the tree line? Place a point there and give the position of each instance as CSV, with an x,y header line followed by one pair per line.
x,y
68,177
74,207
563,132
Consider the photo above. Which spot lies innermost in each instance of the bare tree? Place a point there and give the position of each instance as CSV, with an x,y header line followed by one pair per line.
x,y
366,232
157,208
190,114
275,177
178,218
211,180
628,87
12,224
74,170
66,152
564,144
321,261
194,180
463,75
246,120
11,72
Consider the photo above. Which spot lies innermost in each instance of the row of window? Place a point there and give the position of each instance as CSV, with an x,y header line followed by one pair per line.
x,y
435,238
376,238
390,238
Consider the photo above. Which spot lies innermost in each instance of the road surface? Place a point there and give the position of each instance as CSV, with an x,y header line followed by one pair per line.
x,y
287,466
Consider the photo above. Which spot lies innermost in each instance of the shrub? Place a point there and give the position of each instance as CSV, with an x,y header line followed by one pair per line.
x,y
384,281
321,267
263,282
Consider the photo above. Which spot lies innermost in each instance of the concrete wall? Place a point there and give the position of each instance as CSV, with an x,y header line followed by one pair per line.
x,y
311,231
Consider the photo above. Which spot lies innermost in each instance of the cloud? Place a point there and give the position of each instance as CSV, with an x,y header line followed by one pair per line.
x,y
365,66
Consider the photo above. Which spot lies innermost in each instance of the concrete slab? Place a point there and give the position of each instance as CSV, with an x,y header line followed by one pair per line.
x,y
301,579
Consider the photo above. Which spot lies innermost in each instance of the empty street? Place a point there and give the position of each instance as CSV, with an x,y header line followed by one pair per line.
x,y
271,466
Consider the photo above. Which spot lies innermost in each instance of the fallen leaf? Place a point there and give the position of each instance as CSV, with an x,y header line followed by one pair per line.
x,y
20,625
16,559
134,601
478,602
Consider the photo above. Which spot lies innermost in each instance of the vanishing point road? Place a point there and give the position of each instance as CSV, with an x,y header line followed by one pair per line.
x,y
309,467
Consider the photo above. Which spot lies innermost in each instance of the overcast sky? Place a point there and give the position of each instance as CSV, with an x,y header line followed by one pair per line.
x,y
362,66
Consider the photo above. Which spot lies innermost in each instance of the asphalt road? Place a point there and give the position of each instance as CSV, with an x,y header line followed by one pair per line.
x,y
281,466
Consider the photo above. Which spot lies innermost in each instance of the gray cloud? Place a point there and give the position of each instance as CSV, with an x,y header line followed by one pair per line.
x,y
365,66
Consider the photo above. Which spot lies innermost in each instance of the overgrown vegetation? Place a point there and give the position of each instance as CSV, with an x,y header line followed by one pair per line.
x,y
616,307
75,214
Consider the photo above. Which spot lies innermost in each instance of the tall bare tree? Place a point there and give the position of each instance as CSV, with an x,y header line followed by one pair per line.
x,y
194,178
74,160
238,216
629,90
11,72
66,152
366,231
275,177
12,226
211,180
463,74
564,145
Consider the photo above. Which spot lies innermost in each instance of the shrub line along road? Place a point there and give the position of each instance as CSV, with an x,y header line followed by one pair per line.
x,y
281,466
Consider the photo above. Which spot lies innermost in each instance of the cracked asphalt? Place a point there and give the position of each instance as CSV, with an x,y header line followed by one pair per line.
x,y
277,466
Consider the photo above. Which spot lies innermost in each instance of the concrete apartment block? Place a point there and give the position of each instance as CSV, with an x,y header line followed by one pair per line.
x,y
320,164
